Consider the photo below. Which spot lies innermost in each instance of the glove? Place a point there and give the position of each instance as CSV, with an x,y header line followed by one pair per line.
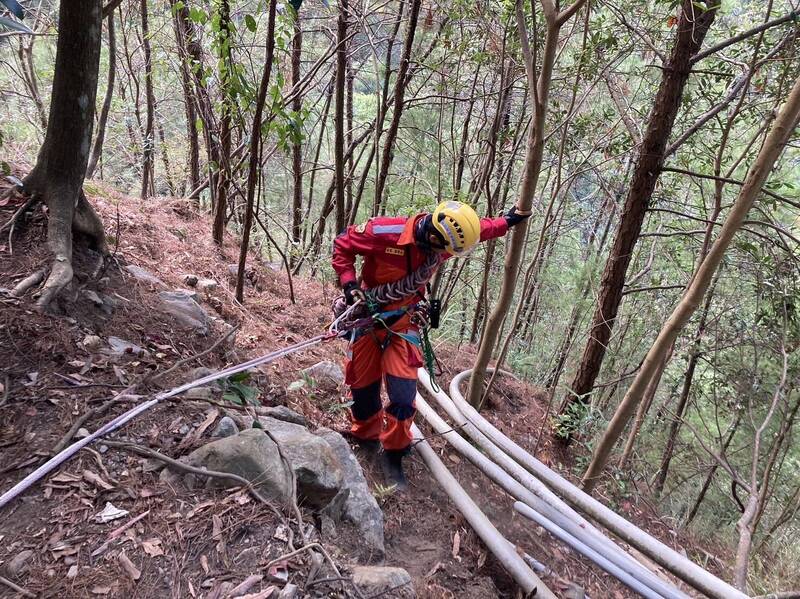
x,y
353,293
514,217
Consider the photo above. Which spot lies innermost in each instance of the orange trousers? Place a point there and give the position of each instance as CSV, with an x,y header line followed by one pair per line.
x,y
382,356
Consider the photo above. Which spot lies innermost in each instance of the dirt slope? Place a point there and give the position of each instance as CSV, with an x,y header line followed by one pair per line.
x,y
188,542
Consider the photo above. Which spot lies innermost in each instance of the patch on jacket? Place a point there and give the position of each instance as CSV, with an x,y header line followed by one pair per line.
x,y
395,251
361,228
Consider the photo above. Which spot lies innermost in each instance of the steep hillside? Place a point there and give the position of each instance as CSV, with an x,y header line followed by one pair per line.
x,y
113,336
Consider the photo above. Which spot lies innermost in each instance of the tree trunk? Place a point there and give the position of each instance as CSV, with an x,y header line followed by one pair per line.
x,y
297,147
692,27
399,95
756,177
338,115
255,150
148,142
189,99
538,89
195,64
97,148
224,172
61,164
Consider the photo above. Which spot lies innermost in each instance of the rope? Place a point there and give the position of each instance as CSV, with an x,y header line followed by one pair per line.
x,y
123,419
429,356
408,285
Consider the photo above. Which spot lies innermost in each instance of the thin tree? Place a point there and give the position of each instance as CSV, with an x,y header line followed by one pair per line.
x,y
297,145
255,150
97,147
148,142
693,24
60,168
338,114
757,175
399,94
539,90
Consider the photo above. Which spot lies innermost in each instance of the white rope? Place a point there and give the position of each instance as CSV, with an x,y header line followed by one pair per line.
x,y
123,419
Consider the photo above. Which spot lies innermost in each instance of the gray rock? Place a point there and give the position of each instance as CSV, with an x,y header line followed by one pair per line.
x,y
573,591
92,297
186,311
140,274
199,372
199,393
109,304
18,565
92,343
355,504
252,455
389,582
207,285
316,469
289,591
190,280
285,414
120,346
325,372
226,427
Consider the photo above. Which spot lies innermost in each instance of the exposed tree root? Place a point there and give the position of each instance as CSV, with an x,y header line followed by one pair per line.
x,y
30,281
64,220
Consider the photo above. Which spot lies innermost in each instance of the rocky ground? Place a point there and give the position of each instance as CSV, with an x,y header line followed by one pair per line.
x,y
134,515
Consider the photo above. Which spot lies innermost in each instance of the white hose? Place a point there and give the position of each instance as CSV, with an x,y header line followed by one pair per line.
x,y
557,509
494,541
595,557
573,528
671,560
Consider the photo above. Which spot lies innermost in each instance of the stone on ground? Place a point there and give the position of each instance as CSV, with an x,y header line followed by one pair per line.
x,y
392,583
355,504
325,373
186,311
252,455
226,427
315,466
141,274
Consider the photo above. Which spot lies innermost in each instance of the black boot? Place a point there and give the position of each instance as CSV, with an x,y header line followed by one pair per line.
x,y
392,465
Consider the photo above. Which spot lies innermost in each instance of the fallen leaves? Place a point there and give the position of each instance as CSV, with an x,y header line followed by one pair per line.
x,y
110,512
128,566
152,547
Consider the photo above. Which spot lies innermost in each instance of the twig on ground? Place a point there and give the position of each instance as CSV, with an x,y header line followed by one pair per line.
x,y
328,557
14,587
20,211
184,361
152,453
64,441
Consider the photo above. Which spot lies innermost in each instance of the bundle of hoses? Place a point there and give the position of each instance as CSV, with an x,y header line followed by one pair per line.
x,y
543,496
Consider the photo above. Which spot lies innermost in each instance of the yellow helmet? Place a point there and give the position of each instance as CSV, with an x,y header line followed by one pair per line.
x,y
458,225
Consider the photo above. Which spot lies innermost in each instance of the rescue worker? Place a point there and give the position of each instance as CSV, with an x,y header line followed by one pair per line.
x,y
393,247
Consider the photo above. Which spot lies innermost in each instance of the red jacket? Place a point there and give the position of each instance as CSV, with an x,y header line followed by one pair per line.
x,y
387,245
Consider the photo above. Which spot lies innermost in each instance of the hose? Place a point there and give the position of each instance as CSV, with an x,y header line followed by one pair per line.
x,y
126,417
575,528
671,560
494,541
595,557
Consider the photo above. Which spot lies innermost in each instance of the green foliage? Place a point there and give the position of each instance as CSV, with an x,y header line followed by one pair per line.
x,y
236,390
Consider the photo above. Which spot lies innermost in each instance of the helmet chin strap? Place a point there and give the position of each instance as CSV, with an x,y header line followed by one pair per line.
x,y
423,232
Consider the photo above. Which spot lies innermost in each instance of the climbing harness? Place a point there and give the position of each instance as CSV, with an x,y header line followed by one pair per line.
x,y
365,317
